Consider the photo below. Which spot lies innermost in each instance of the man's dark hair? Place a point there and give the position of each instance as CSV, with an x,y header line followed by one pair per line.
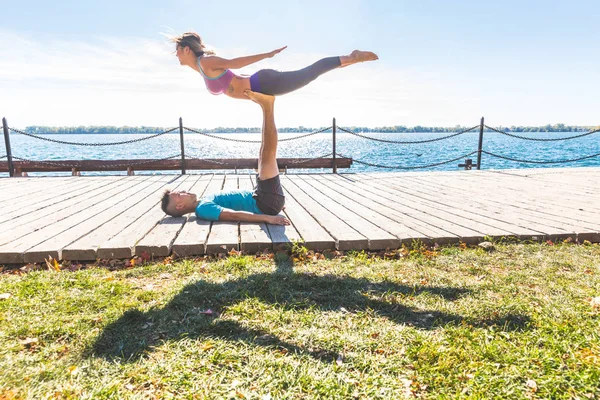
x,y
165,202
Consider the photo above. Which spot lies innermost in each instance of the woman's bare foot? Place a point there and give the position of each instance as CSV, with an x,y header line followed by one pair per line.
x,y
260,98
358,56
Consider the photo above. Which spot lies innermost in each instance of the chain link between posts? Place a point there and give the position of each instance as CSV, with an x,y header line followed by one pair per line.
x,y
542,139
229,163
254,141
90,144
413,167
408,141
539,162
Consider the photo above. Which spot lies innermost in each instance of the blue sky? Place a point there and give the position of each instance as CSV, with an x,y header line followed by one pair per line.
x,y
441,63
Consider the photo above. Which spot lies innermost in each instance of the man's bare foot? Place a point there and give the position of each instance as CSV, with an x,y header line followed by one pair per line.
x,y
260,98
358,56
277,220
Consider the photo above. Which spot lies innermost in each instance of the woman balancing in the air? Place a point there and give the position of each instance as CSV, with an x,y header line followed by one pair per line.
x,y
219,78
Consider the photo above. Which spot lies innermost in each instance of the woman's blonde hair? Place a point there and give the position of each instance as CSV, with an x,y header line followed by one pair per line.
x,y
193,41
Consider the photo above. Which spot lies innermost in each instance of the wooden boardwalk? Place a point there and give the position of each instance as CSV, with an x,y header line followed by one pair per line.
x,y
85,218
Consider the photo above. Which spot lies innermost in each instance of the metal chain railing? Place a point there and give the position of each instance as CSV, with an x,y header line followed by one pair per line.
x,y
91,144
181,128
408,141
254,141
227,163
132,164
542,139
539,162
413,167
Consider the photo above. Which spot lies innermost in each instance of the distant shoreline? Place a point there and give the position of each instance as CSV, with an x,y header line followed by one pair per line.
x,y
143,130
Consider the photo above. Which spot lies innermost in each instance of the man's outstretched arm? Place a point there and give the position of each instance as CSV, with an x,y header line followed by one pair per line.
x,y
243,216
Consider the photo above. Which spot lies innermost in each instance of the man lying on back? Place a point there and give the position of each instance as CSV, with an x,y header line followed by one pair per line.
x,y
261,205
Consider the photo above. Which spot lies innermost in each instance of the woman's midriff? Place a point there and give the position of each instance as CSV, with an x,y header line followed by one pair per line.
x,y
237,86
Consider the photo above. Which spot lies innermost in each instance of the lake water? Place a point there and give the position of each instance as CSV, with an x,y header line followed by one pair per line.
x,y
393,155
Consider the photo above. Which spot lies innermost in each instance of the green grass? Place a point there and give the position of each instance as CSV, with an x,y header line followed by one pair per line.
x,y
446,323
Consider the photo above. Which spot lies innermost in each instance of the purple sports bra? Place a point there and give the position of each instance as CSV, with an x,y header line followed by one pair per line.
x,y
219,84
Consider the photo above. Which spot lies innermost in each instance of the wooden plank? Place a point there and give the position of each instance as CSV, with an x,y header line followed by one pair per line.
x,y
544,192
524,226
86,247
16,192
123,244
377,237
473,218
429,232
159,240
500,203
412,218
518,198
311,233
334,185
345,236
94,217
508,224
41,198
415,210
48,218
283,236
14,250
254,236
191,241
552,196
224,235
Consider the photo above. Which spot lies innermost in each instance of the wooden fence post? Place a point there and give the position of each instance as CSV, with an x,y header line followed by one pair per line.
x,y
334,163
182,147
11,168
480,146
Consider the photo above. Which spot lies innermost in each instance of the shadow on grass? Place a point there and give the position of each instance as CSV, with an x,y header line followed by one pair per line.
x,y
135,332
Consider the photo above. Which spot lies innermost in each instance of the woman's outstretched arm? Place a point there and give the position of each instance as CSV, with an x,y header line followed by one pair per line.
x,y
215,62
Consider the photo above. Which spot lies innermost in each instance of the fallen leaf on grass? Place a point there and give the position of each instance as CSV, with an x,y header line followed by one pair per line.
x,y
339,360
73,370
595,302
5,296
206,346
532,385
589,356
145,256
52,264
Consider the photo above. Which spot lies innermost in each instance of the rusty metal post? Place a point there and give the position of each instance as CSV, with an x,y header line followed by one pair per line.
x,y
11,168
182,147
480,146
334,163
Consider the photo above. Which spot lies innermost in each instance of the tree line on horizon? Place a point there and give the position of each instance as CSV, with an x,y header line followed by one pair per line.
x,y
39,130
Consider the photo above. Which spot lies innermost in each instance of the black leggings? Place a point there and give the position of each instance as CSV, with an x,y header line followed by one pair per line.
x,y
269,81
